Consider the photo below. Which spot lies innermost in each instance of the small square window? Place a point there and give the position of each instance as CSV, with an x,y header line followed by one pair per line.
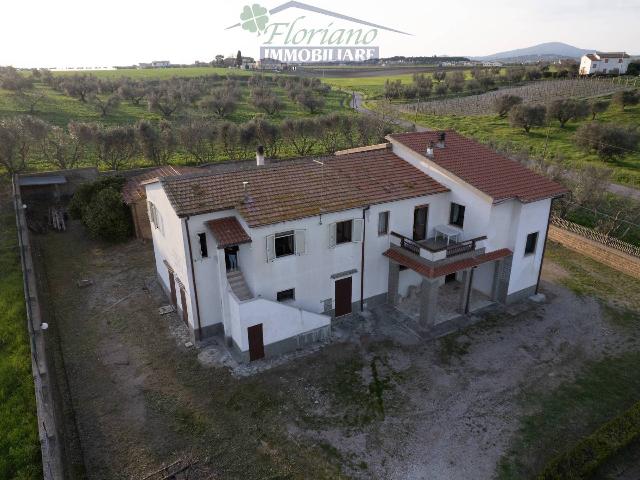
x,y
456,215
343,231
532,240
286,295
383,223
285,244
202,238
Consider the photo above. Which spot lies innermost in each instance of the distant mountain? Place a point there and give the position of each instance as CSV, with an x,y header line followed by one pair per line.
x,y
544,51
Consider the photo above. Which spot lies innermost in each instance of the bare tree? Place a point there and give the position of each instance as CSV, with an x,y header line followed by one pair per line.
x,y
504,103
115,146
104,106
301,133
198,138
527,116
62,149
80,86
156,144
598,106
564,110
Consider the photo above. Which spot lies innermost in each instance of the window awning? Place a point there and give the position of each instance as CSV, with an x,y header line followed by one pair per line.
x,y
409,260
228,231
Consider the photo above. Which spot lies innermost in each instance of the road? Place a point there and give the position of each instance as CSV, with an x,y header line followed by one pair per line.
x,y
357,103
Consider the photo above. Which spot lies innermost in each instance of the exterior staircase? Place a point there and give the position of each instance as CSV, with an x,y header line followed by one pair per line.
x,y
239,285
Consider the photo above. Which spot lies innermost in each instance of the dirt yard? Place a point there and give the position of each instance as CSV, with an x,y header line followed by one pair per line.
x,y
377,402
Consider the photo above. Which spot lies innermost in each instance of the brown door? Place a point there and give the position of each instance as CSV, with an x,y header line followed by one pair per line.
x,y
420,223
183,301
256,343
343,296
172,286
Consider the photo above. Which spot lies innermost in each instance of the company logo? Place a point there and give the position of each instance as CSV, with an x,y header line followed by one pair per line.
x,y
316,35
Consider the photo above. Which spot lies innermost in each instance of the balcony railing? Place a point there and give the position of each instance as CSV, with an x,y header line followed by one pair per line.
x,y
433,251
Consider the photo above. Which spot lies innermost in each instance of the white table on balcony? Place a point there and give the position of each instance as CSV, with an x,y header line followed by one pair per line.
x,y
451,233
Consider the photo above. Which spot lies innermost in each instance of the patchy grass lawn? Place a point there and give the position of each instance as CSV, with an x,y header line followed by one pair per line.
x,y
19,444
490,128
558,418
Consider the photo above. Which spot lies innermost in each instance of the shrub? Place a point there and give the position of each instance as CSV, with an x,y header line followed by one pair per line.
x,y
100,207
107,217
582,460
503,104
607,140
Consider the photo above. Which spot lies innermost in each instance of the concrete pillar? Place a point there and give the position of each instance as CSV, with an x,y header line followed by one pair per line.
x,y
497,272
464,293
504,275
428,302
392,286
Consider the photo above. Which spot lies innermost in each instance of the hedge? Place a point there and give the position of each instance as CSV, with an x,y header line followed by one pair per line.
x,y
590,453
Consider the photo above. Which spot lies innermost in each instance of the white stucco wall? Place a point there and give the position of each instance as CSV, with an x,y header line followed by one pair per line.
x,y
170,245
505,224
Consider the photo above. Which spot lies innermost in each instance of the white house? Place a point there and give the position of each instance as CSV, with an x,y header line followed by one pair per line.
x,y
613,63
268,255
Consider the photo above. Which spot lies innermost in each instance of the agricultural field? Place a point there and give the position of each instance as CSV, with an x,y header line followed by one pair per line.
x,y
159,73
550,141
533,93
59,109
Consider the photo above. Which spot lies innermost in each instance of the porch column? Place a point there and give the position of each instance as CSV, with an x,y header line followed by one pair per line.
x,y
464,293
497,272
428,301
392,286
502,284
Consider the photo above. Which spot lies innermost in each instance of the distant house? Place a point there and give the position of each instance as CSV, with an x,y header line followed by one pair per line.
x,y
155,64
267,255
604,63
492,64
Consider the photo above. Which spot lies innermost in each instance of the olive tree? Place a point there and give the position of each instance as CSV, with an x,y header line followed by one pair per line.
x,y
527,116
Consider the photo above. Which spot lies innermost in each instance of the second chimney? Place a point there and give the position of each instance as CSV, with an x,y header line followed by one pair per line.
x,y
441,138
260,155
430,150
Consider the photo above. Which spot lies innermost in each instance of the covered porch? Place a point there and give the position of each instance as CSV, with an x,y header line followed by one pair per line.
x,y
442,290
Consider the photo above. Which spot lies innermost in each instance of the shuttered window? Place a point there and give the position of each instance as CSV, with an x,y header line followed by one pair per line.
x,y
285,244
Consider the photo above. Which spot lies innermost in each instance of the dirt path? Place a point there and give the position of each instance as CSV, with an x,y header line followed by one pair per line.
x,y
378,402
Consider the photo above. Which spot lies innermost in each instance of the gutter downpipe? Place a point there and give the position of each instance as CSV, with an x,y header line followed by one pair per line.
x,y
544,247
364,229
193,277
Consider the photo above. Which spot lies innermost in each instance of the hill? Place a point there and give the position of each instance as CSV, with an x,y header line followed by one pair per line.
x,y
545,51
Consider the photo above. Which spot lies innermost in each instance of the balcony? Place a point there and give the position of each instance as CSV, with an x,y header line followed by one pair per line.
x,y
438,249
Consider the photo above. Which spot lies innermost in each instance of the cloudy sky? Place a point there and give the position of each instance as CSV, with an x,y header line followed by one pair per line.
x,y
74,33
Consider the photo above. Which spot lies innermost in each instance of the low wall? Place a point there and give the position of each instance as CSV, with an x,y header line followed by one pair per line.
x,y
607,255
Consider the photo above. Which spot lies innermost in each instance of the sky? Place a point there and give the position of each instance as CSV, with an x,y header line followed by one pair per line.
x,y
87,33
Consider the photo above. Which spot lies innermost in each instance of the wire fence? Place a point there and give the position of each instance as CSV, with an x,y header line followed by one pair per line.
x,y
596,236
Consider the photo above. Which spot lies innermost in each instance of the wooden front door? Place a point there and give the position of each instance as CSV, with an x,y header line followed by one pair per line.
x,y
256,342
183,301
172,286
420,223
343,296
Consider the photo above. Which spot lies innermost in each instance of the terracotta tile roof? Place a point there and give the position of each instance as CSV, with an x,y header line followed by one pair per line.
x,y
479,166
612,54
133,189
297,189
228,231
409,260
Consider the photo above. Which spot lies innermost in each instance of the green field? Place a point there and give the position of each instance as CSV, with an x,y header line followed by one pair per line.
x,y
158,73
19,445
552,141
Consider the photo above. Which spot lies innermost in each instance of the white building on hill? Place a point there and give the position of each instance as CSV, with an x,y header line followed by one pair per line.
x,y
604,63
267,255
